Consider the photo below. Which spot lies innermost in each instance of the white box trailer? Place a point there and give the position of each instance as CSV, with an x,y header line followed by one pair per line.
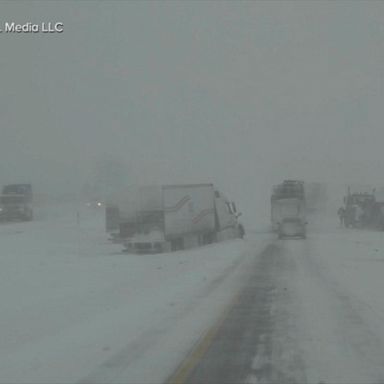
x,y
290,216
124,209
288,208
189,209
189,215
286,197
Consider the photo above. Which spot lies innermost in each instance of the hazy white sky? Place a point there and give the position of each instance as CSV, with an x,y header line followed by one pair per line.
x,y
239,93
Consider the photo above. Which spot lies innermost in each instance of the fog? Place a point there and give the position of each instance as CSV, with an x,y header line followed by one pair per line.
x,y
241,94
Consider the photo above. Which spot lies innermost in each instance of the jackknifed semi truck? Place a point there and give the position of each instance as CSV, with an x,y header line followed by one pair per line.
x,y
172,217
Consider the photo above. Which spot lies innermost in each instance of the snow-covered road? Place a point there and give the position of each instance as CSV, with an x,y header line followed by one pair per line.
x,y
338,289
75,309
311,312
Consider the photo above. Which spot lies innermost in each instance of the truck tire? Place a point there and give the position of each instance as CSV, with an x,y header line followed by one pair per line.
x,y
209,238
241,231
177,244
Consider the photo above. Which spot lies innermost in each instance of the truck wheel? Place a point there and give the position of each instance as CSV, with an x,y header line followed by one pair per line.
x,y
177,244
241,231
209,238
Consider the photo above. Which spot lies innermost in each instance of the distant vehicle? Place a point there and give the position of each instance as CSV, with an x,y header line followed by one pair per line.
x,y
288,202
16,203
173,217
292,227
291,212
362,210
95,204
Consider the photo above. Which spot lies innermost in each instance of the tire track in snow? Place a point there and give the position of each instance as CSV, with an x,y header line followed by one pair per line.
x,y
247,348
115,368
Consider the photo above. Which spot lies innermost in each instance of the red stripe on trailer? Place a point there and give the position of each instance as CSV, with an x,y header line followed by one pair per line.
x,y
202,214
178,205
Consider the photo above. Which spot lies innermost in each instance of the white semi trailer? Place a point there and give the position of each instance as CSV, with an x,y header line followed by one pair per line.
x,y
288,209
127,210
172,217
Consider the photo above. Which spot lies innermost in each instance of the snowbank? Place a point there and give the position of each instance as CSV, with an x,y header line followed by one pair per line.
x,y
75,308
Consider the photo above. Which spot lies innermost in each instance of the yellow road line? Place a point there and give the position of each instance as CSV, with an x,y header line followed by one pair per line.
x,y
181,375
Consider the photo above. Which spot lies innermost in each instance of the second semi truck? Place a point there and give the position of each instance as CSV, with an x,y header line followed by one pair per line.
x,y
288,211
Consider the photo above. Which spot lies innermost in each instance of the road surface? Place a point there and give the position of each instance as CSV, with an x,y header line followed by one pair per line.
x,y
293,322
75,309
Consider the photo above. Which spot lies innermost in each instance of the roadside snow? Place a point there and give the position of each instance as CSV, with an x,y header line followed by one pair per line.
x,y
336,303
74,308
